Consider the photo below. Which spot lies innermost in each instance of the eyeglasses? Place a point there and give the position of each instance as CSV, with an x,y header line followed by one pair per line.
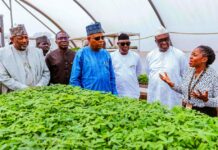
x,y
98,38
125,43
163,40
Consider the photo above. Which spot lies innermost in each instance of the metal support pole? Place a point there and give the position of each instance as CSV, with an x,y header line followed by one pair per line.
x,y
6,4
89,14
36,17
158,16
2,44
46,16
157,13
11,13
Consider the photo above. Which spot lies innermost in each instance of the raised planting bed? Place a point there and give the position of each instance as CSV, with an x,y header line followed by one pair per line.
x,y
62,117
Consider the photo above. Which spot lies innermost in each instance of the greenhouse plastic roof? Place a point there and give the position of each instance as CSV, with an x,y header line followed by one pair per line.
x,y
190,22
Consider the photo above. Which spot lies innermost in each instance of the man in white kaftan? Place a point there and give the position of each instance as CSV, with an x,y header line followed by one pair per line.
x,y
20,65
127,68
168,59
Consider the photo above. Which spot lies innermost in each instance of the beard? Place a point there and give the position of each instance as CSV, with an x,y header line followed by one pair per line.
x,y
23,48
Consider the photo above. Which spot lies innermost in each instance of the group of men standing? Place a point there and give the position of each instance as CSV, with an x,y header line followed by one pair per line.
x,y
92,67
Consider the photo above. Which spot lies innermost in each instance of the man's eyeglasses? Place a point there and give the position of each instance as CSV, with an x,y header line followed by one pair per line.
x,y
163,40
98,38
125,43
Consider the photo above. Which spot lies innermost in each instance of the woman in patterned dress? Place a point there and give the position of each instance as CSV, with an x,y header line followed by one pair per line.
x,y
199,88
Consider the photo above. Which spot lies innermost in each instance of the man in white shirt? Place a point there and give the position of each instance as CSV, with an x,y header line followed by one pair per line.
x,y
20,65
164,58
127,68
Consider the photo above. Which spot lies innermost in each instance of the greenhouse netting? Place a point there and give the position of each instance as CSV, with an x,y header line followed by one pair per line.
x,y
190,22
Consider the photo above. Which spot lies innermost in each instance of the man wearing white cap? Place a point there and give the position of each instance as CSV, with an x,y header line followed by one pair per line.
x,y
22,66
168,59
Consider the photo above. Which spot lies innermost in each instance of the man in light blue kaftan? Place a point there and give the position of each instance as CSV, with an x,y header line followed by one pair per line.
x,y
92,66
22,66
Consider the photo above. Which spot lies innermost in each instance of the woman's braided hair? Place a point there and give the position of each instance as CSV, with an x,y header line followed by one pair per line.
x,y
209,53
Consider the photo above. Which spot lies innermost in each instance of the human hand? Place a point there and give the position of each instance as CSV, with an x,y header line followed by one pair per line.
x,y
166,79
200,95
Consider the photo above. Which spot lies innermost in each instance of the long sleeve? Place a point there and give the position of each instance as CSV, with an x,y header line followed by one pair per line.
x,y
183,65
213,102
8,81
147,70
177,88
45,73
138,67
185,74
112,77
48,63
76,71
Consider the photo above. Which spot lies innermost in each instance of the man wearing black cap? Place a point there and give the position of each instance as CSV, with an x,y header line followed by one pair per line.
x,y
43,43
92,67
22,66
127,68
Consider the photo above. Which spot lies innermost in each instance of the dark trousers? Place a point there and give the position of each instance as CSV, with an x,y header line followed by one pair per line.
x,y
210,111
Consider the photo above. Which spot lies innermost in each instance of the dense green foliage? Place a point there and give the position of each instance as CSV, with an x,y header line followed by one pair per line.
x,y
63,117
143,79
75,49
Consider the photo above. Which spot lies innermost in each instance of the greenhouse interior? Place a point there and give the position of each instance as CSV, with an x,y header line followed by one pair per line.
x,y
108,74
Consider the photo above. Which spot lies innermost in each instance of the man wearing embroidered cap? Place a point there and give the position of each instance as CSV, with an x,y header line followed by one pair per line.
x,y
164,58
43,43
92,67
22,66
